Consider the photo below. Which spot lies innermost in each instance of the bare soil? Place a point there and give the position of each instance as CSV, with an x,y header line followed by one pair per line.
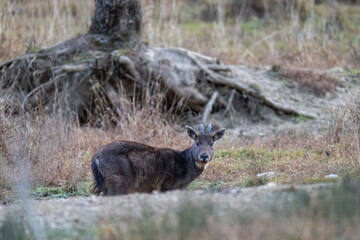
x,y
254,118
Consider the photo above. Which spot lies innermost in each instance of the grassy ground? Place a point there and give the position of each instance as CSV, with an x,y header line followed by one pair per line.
x,y
58,155
58,151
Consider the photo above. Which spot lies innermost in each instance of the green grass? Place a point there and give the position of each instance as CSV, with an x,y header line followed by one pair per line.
x,y
207,185
32,49
319,179
201,184
255,87
196,28
253,181
238,167
249,181
302,118
82,189
251,26
5,192
265,156
75,59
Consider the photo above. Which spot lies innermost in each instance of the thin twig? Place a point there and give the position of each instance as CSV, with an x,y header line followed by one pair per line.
x,y
57,78
229,104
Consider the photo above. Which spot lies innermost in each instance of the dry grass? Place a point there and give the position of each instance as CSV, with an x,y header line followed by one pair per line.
x,y
314,41
27,26
346,128
318,82
5,126
59,150
305,36
294,156
309,161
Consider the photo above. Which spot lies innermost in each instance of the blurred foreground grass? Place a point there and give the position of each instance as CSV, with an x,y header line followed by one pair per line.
x,y
326,212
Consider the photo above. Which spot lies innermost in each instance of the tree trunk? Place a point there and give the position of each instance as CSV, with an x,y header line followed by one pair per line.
x,y
120,19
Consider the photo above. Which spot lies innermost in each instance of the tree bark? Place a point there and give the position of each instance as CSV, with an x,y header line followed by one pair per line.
x,y
120,19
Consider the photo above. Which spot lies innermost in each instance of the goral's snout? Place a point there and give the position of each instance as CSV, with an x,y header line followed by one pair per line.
x,y
204,157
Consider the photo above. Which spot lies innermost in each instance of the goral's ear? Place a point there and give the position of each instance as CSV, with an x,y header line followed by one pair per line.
x,y
218,134
191,132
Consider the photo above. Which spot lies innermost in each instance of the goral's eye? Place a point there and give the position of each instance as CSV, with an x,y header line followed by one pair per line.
x,y
197,144
211,144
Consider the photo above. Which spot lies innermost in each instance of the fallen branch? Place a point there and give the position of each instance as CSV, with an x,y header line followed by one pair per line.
x,y
209,107
229,104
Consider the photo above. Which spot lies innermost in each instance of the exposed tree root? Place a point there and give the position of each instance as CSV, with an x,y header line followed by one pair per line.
x,y
190,77
78,73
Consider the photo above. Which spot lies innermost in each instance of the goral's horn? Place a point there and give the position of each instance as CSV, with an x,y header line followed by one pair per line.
x,y
208,131
201,129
